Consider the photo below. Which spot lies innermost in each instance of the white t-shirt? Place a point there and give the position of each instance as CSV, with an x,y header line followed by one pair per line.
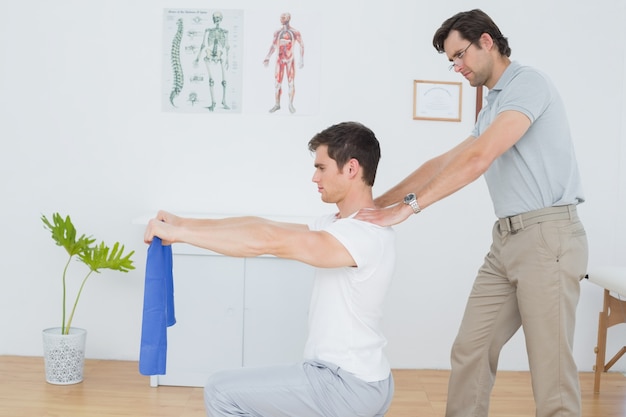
x,y
347,303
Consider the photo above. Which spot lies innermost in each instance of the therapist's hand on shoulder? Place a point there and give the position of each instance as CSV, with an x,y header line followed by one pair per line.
x,y
387,216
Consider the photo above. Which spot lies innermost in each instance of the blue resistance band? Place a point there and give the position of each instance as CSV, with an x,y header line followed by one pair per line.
x,y
158,309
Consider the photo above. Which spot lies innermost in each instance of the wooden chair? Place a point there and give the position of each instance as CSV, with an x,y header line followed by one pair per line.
x,y
613,280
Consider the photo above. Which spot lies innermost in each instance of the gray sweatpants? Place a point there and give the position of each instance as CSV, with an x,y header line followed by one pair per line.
x,y
308,389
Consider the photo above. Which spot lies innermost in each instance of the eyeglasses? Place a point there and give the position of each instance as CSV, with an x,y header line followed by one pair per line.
x,y
458,57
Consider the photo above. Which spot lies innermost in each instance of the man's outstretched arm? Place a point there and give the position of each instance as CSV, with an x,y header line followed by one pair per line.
x,y
250,237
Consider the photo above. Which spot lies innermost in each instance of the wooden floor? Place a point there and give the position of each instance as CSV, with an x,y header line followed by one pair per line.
x,y
116,389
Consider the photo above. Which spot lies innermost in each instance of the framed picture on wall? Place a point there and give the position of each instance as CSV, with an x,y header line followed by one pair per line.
x,y
480,99
437,100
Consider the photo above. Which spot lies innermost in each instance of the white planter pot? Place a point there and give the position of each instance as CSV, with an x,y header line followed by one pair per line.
x,y
64,355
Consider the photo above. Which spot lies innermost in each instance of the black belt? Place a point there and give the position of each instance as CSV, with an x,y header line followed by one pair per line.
x,y
514,223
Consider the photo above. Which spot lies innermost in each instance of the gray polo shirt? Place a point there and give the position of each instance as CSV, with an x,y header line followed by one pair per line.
x,y
540,170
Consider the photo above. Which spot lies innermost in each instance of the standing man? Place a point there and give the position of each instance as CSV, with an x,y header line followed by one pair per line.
x,y
345,371
284,41
530,277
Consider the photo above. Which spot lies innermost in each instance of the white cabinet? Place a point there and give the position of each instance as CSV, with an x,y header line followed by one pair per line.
x,y
277,294
234,312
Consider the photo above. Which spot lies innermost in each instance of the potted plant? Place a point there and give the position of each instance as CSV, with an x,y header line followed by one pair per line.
x,y
64,346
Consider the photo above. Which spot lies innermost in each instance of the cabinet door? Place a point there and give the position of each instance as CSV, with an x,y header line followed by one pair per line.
x,y
277,296
208,305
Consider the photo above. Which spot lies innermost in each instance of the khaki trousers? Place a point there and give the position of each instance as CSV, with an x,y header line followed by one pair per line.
x,y
530,278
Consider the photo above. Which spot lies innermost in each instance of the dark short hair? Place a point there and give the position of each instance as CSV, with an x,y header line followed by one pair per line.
x,y
349,140
471,25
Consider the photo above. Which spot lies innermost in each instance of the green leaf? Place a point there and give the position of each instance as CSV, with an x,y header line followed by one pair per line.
x,y
64,234
103,257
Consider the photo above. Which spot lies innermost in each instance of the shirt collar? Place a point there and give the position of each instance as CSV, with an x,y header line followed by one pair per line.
x,y
507,75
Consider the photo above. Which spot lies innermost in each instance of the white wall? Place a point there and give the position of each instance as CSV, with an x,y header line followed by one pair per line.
x,y
82,133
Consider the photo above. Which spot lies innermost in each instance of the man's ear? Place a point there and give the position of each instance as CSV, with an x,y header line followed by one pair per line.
x,y
486,41
353,167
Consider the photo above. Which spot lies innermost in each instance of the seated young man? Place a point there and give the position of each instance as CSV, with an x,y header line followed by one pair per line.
x,y
345,371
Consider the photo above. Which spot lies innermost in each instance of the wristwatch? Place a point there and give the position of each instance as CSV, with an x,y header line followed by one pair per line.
x,y
411,200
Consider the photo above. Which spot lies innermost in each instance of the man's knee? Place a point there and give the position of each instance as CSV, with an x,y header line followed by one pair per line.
x,y
215,398
210,389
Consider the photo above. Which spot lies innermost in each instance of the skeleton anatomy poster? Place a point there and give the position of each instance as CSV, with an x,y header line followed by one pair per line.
x,y
202,61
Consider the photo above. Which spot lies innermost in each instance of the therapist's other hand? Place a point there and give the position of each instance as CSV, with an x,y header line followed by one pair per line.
x,y
387,216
